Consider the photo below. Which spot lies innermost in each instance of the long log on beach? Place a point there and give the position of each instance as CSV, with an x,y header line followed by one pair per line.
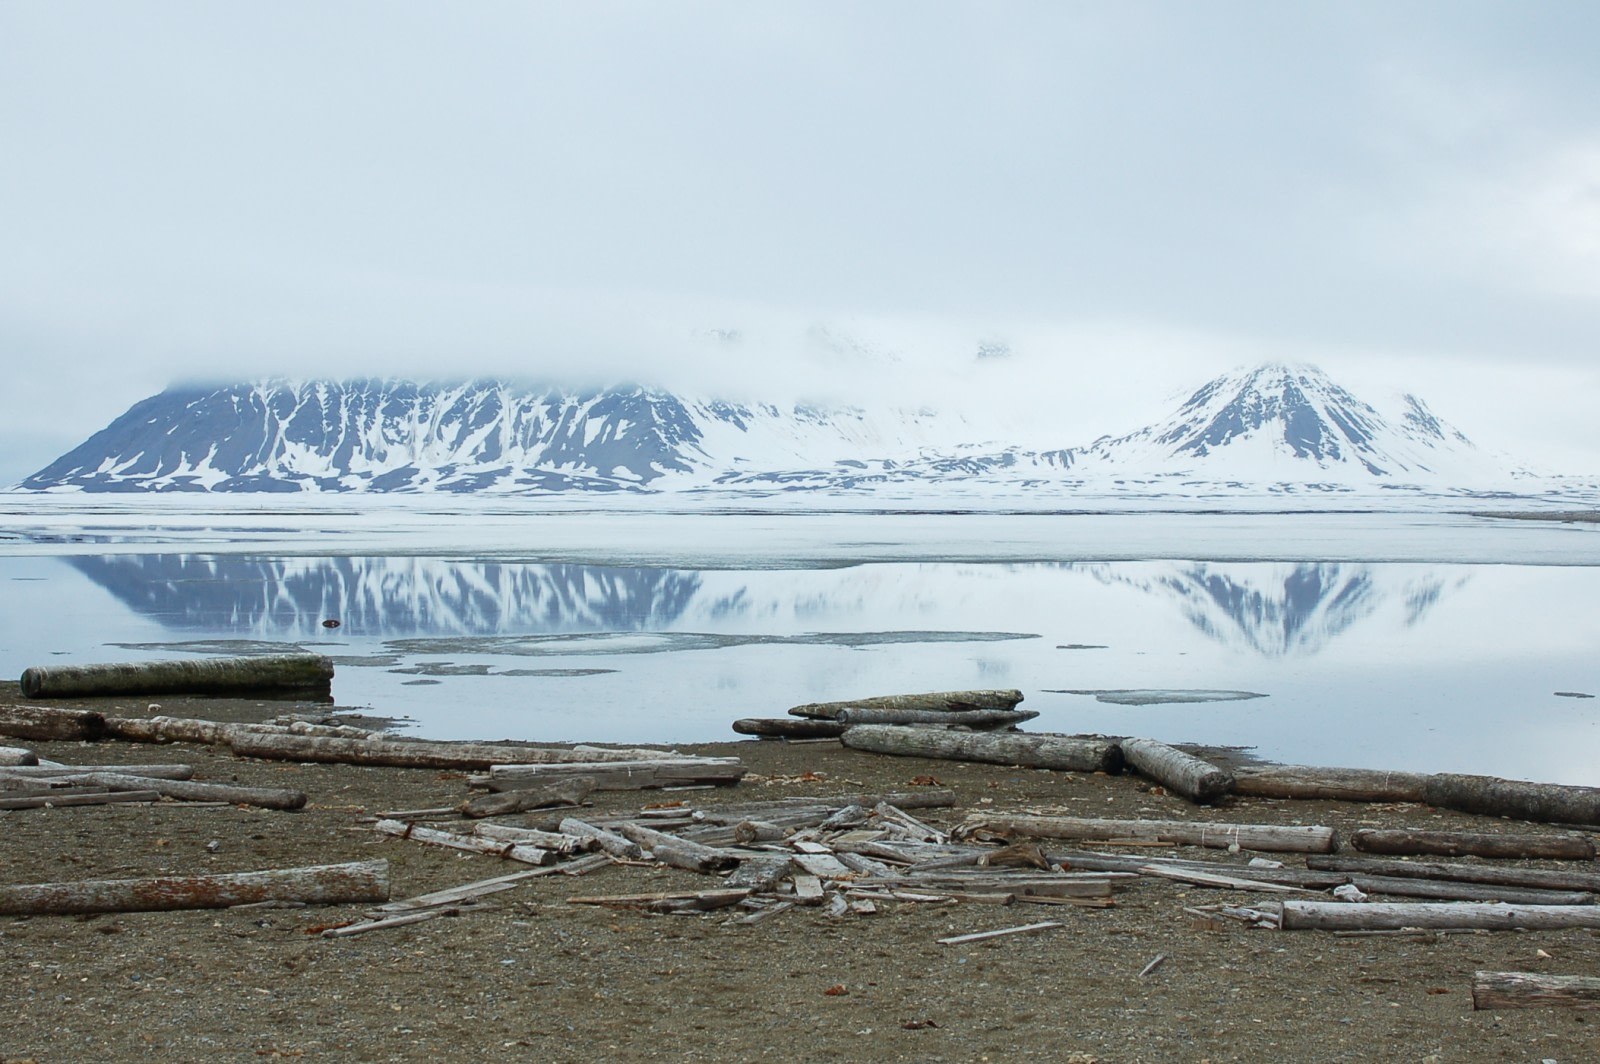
x,y
190,791
1339,784
312,673
1465,915
413,753
621,775
47,772
77,797
1528,990
511,851
1455,890
1464,843
609,841
569,791
1060,752
789,728
977,719
941,701
1551,803
362,881
556,842
1264,837
1541,878
1196,779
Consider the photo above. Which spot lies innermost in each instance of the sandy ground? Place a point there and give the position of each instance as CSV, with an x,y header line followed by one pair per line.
x,y
536,978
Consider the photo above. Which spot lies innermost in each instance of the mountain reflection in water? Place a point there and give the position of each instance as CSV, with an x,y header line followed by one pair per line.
x,y
1274,610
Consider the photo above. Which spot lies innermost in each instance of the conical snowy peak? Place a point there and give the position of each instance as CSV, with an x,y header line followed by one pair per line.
x,y
1266,423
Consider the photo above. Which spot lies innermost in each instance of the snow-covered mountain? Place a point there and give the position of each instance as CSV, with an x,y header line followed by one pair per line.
x,y
1273,425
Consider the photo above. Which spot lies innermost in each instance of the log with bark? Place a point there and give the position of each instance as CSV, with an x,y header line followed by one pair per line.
x,y
1340,784
945,701
1060,752
608,841
1546,802
976,719
48,724
562,792
1527,990
1464,915
621,775
1264,837
1195,779
789,728
1541,878
310,674
1477,844
363,881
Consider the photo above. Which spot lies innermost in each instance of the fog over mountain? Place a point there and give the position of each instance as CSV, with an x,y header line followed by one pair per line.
x,y
1263,428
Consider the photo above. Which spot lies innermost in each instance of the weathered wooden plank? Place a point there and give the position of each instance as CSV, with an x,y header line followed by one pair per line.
x,y
980,936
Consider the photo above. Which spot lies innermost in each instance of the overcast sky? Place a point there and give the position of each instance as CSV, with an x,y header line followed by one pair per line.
x,y
1130,196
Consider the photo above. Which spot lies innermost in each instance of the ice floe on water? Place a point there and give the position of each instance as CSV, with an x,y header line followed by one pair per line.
x,y
1155,698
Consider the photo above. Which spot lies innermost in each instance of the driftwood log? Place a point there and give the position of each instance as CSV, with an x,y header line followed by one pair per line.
x,y
1195,779
789,728
1060,752
414,753
1552,803
1340,784
75,797
1265,837
47,772
570,791
621,775
1393,916
190,791
680,853
1455,890
1541,878
310,673
609,841
978,719
16,755
511,851
362,881
48,724
1476,844
1528,990
945,701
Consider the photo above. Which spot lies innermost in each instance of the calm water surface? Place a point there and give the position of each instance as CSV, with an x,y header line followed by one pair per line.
x,y
1384,664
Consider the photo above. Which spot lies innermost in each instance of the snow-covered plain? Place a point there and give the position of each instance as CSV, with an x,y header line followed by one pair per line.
x,y
1421,640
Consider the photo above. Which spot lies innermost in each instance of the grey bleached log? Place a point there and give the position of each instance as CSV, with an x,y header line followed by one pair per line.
x,y
190,791
1551,803
361,881
1291,877
749,832
1477,844
788,728
1541,878
945,701
1339,784
44,772
309,672
16,755
610,842
760,873
41,801
623,775
1528,990
1001,748
554,841
1265,837
1464,915
511,851
48,724
1194,778
409,753
1454,890
922,798
687,901
680,853
966,718
569,791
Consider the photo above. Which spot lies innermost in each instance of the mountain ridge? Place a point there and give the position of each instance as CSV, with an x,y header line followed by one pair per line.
x,y
1272,424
